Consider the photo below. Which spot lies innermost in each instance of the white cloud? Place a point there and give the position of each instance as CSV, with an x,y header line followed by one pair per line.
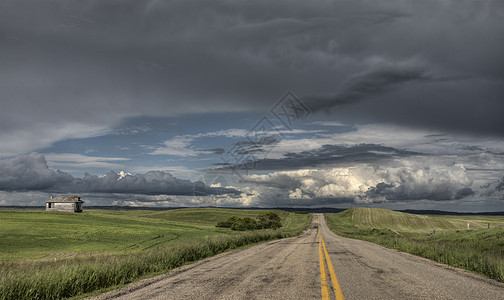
x,y
405,179
329,123
177,146
230,133
75,160
123,174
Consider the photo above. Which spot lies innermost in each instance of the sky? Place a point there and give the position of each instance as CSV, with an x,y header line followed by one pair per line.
x,y
390,104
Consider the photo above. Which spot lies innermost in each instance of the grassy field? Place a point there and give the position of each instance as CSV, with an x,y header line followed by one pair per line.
x,y
51,255
36,235
367,218
441,238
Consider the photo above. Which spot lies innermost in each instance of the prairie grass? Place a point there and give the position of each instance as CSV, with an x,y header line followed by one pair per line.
x,y
439,238
68,278
49,235
81,274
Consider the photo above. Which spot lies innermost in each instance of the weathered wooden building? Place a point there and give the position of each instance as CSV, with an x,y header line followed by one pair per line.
x,y
68,203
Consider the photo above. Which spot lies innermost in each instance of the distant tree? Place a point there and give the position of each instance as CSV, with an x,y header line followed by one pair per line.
x,y
268,220
228,223
242,224
265,220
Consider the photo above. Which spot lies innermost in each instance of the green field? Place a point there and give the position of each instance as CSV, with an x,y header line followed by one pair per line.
x,y
441,238
52,255
36,235
403,222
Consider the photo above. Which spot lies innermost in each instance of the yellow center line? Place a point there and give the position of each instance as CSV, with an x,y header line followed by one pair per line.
x,y
323,275
336,287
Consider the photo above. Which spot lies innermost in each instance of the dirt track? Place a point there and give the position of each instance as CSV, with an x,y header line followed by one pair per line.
x,y
290,269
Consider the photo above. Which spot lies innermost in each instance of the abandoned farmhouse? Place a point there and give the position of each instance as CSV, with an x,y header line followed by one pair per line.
x,y
66,203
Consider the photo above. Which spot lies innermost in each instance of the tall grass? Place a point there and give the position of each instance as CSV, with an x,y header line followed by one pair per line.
x,y
480,250
63,279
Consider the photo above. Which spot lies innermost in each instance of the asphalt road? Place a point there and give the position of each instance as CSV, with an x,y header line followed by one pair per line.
x,y
302,268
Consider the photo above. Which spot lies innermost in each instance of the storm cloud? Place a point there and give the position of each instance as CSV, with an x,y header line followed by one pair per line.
x,y
322,156
368,84
75,69
31,173
404,180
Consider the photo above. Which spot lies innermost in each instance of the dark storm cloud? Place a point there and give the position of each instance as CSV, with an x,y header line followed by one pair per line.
x,y
30,172
406,190
75,68
258,146
472,148
325,155
468,106
369,84
494,189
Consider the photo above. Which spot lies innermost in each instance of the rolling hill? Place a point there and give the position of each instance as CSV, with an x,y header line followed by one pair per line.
x,y
368,218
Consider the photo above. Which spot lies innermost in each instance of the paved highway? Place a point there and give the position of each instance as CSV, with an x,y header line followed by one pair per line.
x,y
316,265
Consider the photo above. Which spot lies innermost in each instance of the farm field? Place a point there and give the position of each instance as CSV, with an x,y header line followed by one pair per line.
x,y
37,235
444,239
404,222
60,255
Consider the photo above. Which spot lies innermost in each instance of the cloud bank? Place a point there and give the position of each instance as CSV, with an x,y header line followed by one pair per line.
x,y
401,181
322,156
31,173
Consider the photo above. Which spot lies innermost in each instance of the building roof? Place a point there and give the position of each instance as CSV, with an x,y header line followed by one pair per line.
x,y
66,198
